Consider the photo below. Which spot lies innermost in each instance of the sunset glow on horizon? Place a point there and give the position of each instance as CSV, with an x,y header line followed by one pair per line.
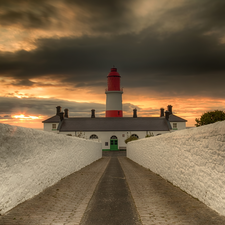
x,y
23,117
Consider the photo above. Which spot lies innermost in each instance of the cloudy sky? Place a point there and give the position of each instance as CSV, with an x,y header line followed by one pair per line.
x,y
59,52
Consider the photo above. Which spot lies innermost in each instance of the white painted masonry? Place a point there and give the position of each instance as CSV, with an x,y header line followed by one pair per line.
x,y
114,100
192,159
49,127
32,160
180,126
104,136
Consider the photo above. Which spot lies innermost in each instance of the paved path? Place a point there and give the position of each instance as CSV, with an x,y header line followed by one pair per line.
x,y
63,203
112,202
159,202
75,199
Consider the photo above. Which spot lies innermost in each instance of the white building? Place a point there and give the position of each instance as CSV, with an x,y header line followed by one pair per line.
x,y
176,122
113,129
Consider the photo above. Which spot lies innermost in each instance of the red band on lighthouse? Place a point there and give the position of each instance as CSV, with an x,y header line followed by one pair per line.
x,y
114,113
114,95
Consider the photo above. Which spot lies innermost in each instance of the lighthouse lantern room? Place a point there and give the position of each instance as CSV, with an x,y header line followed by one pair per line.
x,y
114,95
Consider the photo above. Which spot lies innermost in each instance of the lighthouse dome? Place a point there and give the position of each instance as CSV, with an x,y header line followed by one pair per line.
x,y
113,73
113,80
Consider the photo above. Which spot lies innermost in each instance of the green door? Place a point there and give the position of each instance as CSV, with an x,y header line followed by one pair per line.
x,y
113,144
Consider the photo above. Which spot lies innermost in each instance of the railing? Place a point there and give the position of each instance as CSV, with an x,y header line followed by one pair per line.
x,y
121,89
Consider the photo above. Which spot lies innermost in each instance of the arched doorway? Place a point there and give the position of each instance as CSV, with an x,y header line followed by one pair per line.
x,y
113,143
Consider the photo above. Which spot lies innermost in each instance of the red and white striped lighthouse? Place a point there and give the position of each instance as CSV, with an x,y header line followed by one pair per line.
x,y
114,95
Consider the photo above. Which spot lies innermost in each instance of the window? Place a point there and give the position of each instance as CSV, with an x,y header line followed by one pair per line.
x,y
113,137
93,136
53,126
134,135
174,126
106,143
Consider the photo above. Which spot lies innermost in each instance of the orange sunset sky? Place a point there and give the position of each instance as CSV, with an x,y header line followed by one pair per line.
x,y
59,52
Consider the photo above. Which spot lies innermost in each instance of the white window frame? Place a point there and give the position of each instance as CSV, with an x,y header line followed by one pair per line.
x,y
93,136
174,126
135,135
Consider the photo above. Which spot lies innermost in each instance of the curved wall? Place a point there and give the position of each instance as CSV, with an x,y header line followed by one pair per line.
x,y
32,160
192,159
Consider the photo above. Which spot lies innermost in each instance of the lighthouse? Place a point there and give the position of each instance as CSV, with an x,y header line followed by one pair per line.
x,y
113,95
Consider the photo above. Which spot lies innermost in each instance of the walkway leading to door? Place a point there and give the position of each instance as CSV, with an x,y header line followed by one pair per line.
x,y
102,193
112,202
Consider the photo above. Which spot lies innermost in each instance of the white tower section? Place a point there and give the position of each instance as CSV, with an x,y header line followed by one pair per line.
x,y
114,95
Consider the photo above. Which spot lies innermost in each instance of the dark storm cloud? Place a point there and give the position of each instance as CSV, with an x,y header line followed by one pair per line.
x,y
47,107
37,106
175,61
107,8
5,117
28,14
181,52
110,17
128,107
24,82
205,14
183,61
104,16
97,16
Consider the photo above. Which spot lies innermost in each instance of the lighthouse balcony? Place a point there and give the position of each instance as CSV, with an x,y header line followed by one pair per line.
x,y
120,90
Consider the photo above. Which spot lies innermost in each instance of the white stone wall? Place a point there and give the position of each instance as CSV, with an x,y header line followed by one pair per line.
x,y
32,160
106,135
192,159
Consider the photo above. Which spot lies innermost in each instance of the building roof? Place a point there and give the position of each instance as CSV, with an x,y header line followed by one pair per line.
x,y
173,118
53,119
114,124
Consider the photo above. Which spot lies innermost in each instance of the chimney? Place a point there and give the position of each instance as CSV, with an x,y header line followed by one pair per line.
x,y
169,108
167,115
61,116
161,112
92,113
58,110
134,113
66,113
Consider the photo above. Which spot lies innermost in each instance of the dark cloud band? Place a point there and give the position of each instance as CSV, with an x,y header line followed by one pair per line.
x,y
179,54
